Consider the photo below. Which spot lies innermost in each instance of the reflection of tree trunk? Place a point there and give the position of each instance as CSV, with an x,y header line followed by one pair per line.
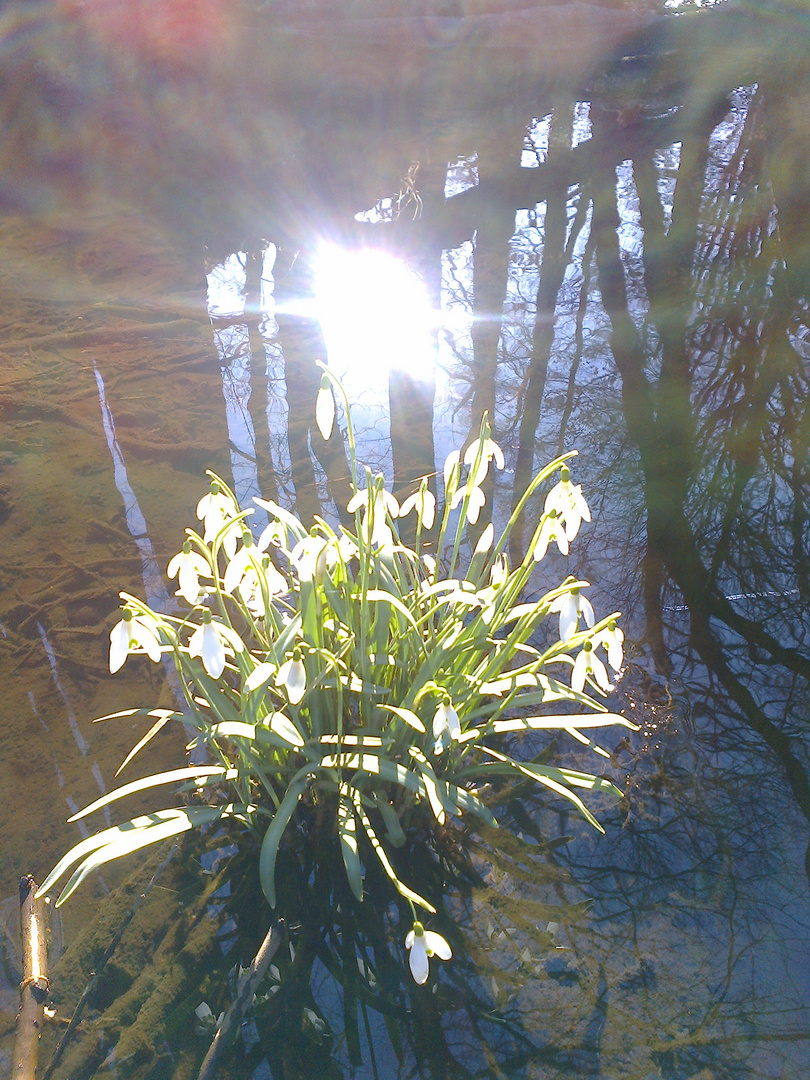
x,y
411,398
637,397
552,273
302,343
253,310
495,229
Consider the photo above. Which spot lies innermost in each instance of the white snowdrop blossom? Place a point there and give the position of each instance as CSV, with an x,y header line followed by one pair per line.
x,y
376,501
489,451
474,504
215,510
446,726
452,467
552,528
485,540
242,563
131,634
570,605
612,639
187,566
254,583
424,502
567,499
589,664
309,556
422,944
292,677
209,642
325,408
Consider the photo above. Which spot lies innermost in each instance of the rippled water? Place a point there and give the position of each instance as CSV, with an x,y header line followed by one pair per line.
x,y
605,246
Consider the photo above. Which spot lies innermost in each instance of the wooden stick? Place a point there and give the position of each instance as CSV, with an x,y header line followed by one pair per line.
x,y
88,990
34,986
245,995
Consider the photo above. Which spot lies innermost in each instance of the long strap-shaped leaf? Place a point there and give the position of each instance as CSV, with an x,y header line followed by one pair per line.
x,y
192,772
379,850
132,835
275,831
540,773
347,831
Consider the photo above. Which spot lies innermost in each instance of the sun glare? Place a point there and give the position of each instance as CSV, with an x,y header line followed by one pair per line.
x,y
374,312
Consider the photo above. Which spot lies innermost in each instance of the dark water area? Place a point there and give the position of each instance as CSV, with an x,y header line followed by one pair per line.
x,y
590,221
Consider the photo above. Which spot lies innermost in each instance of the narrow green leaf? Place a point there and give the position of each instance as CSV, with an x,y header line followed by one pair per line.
x,y
192,772
347,831
379,850
542,723
275,831
408,716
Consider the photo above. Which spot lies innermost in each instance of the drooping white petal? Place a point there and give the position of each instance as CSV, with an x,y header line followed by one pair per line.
x,y
435,945
586,608
600,674
187,566
119,646
580,670
446,719
613,640
424,502
569,614
206,643
551,529
325,411
418,959
360,498
452,465
485,540
292,677
148,641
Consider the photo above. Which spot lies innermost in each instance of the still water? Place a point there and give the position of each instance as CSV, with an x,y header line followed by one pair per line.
x,y
590,222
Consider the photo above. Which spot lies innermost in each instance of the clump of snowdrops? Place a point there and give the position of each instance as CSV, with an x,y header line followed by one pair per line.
x,y
341,665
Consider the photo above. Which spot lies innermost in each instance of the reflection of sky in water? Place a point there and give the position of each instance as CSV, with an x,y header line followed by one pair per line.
x,y
704,877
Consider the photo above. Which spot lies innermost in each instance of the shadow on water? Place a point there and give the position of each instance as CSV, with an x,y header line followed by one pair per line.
x,y
608,210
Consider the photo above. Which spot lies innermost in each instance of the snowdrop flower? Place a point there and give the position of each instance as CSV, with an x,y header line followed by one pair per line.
x,y
567,499
421,944
325,408
216,509
377,501
254,583
187,566
292,677
131,634
489,450
446,726
476,501
424,502
589,664
570,605
612,638
209,641
452,469
241,563
552,528
309,558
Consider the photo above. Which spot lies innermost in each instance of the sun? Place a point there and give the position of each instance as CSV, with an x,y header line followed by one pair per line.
x,y
375,314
